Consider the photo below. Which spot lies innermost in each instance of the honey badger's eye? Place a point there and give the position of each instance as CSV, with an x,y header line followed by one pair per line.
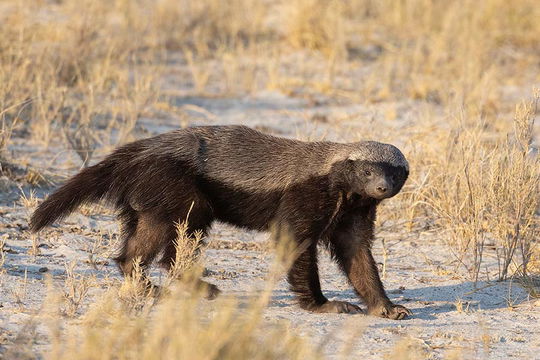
x,y
367,173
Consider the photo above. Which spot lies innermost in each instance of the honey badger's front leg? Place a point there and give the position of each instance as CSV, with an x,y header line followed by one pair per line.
x,y
361,270
351,247
304,280
299,223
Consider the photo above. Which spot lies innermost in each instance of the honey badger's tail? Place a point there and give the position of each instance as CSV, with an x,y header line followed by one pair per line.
x,y
89,185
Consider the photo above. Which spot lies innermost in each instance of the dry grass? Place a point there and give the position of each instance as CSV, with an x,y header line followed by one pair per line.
x,y
2,255
99,70
76,288
129,323
485,191
82,79
177,328
188,249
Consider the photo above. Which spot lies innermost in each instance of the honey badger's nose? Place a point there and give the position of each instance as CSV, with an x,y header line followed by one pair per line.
x,y
382,187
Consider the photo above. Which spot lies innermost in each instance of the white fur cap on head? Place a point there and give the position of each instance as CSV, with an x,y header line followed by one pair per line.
x,y
378,152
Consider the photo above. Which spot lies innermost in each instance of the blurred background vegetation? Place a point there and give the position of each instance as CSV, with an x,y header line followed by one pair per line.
x,y
80,74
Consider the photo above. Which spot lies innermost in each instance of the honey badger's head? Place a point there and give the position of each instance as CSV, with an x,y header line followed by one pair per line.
x,y
375,170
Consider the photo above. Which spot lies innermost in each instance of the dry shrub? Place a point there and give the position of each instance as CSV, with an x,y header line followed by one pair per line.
x,y
135,292
205,26
104,63
98,69
180,326
187,261
485,191
92,74
68,69
76,288
445,51
7,124
91,69
316,25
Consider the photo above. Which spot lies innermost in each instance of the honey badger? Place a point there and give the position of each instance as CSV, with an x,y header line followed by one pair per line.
x,y
324,192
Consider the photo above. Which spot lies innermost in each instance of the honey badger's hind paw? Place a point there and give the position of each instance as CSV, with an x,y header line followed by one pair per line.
x,y
338,307
209,291
212,291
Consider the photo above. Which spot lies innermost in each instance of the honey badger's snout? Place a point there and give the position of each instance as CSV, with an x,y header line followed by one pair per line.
x,y
379,188
382,187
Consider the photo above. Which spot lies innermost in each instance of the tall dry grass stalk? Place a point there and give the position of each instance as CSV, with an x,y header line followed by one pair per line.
x,y
2,254
76,288
188,249
89,70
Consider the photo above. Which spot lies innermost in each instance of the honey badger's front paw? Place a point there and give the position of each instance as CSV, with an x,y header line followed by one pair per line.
x,y
337,307
390,311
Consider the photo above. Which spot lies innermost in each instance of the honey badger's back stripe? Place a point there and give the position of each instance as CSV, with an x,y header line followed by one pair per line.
x,y
138,175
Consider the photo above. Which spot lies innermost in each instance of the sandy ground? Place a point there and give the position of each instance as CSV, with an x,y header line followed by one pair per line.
x,y
492,320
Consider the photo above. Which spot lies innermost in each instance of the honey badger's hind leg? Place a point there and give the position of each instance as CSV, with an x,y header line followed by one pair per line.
x,y
129,219
144,235
199,221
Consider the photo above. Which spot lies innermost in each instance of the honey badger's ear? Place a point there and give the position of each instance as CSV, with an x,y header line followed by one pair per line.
x,y
353,156
349,162
340,163
346,160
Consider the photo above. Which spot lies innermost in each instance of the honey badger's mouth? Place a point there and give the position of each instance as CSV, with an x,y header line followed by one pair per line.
x,y
381,196
364,197
380,189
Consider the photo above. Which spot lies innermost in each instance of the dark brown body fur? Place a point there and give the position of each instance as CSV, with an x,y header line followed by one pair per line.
x,y
242,177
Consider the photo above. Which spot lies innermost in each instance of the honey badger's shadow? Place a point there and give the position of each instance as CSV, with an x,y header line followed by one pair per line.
x,y
467,296
427,303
